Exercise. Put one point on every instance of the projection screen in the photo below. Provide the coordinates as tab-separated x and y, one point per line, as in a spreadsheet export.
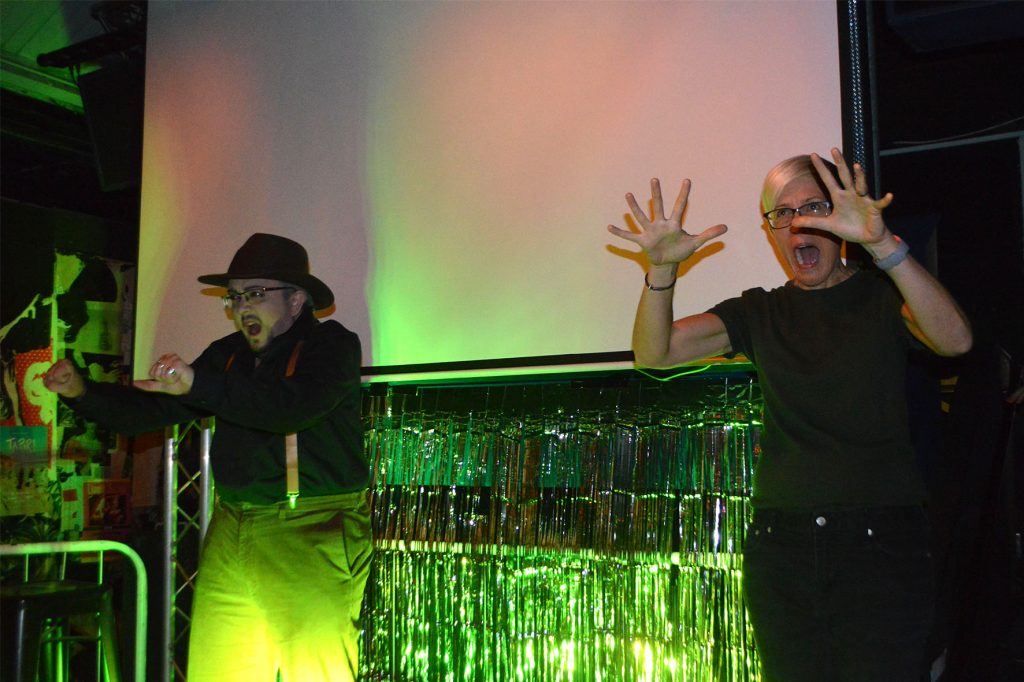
452	166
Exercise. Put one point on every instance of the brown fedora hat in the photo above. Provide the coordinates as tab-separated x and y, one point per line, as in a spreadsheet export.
268	256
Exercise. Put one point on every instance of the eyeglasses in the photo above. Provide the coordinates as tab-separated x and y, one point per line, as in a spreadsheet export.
782	217
251	296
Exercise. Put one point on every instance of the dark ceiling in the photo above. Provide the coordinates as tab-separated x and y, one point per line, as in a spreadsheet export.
947	70
50	50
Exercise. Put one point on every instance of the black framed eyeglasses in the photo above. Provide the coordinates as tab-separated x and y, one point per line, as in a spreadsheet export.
783	217
251	296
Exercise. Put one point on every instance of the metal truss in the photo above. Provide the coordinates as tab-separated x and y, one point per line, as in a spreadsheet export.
187	490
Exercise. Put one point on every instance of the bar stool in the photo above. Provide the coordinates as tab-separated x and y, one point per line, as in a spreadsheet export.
26	607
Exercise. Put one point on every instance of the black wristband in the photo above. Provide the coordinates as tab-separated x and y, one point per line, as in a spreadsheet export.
654	288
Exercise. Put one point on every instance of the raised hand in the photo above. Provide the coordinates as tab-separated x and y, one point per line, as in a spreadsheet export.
170	374
663	238
856	216
64	379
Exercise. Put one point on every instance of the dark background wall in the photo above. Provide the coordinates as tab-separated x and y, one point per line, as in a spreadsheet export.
949	114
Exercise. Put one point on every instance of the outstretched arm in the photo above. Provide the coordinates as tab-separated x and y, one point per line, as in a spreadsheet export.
929	311
657	340
114	406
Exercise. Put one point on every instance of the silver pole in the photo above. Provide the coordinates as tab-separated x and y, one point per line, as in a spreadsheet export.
205	486
170	555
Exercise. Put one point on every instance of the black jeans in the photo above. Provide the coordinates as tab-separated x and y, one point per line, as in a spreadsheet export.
840	595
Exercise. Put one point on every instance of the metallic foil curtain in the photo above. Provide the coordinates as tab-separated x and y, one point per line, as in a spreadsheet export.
560	532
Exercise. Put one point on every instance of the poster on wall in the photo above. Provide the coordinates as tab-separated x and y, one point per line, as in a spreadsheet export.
78	311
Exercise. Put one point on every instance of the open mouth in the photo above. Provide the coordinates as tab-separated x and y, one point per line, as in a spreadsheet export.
251	326
806	256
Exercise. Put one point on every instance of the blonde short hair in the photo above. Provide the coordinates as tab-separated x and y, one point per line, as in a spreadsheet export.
787	171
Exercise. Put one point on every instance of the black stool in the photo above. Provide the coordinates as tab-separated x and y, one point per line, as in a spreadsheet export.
26	606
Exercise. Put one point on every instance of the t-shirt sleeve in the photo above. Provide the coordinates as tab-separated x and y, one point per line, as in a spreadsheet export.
731	312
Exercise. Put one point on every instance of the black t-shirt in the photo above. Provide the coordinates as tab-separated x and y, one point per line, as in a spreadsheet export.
831	364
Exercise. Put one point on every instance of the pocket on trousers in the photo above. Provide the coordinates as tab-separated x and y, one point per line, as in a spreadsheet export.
754	539
319	530
763	540
358	537
908	540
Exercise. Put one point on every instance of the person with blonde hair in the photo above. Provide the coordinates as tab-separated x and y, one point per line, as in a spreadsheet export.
837	574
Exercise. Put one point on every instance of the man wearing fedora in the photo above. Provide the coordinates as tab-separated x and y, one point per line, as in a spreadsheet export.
287	553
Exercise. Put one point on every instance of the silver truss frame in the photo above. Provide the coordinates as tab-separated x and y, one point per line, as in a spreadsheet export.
181	527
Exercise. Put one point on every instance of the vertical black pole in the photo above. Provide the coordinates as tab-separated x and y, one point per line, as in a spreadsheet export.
860	138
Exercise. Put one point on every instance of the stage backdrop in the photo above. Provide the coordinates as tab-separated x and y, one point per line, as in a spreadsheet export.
452	166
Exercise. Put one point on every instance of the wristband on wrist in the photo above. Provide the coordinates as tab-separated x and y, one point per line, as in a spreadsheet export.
654	288
894	258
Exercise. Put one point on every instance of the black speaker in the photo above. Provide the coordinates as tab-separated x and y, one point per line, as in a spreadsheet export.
930	25
113	100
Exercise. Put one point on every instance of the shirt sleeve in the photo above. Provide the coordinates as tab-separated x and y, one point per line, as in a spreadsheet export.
128	410
731	312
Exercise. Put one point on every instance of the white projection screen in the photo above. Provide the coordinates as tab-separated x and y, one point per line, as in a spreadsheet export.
451	167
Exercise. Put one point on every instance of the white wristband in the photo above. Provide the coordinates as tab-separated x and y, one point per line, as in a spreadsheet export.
894	258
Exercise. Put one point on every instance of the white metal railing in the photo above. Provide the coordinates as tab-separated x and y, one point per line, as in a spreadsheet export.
99	547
